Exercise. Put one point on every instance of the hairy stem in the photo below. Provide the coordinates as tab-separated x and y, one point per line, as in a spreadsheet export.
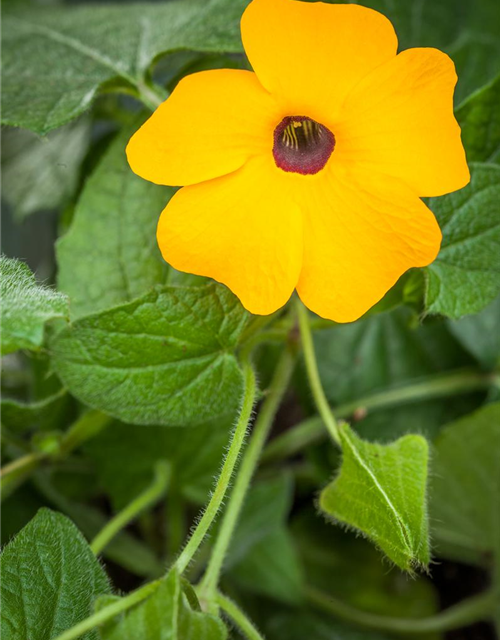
153	493
312	372
245	625
249	463
226	473
436	386
471	610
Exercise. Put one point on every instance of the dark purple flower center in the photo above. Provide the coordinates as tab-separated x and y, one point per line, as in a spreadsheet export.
302	145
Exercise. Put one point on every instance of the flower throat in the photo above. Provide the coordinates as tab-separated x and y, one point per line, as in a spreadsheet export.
302	145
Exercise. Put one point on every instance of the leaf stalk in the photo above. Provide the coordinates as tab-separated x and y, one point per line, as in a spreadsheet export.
227	470
277	389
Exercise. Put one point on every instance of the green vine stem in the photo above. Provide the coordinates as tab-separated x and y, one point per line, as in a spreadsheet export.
313	374
466	612
436	386
245	625
277	389
151	495
227	470
112	610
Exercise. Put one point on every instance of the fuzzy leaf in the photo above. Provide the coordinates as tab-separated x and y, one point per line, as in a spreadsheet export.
110	255
465	277
465	487
166	358
26	306
56	59
50	579
381	491
479	119
165	615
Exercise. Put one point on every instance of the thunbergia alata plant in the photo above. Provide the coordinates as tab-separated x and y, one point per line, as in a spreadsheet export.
264	404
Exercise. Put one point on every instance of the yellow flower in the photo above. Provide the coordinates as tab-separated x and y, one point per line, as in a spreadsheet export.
307	174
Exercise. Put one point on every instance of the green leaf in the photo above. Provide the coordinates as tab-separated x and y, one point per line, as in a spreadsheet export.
381	491
50	578
465	487
479	334
43	415
26	306
262	557
465	277
42	173
166	358
385	352
56	60
479	118
165	615
110	255
124	458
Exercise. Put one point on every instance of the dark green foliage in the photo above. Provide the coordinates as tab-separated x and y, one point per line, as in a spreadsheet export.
166	358
465	277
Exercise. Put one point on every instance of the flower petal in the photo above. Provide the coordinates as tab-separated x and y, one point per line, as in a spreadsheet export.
210	125
242	230
360	235
309	55
400	120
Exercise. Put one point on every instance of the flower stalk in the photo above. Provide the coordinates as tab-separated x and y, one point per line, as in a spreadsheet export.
313	374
